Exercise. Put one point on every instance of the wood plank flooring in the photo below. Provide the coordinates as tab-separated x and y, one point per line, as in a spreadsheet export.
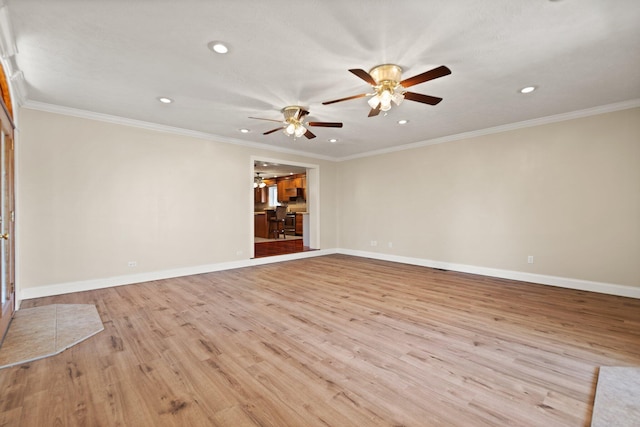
329	341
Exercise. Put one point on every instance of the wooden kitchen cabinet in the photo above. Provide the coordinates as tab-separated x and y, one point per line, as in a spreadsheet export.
288	187
261	195
261	225
299	224
282	197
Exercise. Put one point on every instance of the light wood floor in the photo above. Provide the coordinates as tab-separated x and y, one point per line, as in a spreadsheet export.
329	341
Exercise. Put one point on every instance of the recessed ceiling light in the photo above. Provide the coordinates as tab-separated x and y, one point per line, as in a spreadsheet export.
403	122
165	100
333	140
527	89
218	47
245	130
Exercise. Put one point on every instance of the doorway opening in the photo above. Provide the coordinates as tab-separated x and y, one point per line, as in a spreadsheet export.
284	207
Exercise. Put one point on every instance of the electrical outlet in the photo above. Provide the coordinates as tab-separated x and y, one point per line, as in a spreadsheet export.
239	252
374	243
390	245
132	263
530	259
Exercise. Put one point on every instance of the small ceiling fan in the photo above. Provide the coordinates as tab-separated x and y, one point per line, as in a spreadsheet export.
258	181
388	87
293	123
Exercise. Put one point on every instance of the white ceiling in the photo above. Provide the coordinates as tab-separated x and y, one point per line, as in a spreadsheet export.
274	170
116	57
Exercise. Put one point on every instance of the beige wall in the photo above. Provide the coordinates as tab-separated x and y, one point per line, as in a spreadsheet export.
567	193
94	195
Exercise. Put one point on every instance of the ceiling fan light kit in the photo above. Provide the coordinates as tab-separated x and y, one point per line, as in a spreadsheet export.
296	130
293	117
387	88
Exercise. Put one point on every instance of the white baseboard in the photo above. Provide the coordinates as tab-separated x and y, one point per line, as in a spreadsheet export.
563	282
108	282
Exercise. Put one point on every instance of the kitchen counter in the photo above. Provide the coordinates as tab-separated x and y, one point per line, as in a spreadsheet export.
261	222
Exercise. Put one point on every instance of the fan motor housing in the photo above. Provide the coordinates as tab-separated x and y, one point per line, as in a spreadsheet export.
294	112
386	72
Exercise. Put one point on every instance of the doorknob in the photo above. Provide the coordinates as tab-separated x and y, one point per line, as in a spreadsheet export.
4	236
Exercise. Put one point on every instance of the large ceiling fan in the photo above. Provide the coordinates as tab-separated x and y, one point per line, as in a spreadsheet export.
388	87
293	123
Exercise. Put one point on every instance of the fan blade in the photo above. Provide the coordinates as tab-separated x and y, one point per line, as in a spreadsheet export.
270	120
426	76
309	135
374	111
301	113
364	76
425	99
326	124
272	131
362	95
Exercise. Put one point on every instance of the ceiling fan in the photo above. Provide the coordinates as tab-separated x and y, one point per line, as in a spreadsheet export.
388	87
293	123
258	181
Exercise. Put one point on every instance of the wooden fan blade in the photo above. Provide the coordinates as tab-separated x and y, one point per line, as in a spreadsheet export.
364	76
309	135
326	124
425	99
272	131
374	111
301	113
269	120
426	76
362	95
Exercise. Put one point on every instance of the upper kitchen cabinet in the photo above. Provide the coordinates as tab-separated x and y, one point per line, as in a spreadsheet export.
261	195
291	188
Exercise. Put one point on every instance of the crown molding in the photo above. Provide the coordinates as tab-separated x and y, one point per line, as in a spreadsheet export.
91	115
57	109
7	39
609	108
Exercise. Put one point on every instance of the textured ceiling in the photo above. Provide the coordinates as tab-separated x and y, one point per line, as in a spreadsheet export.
116	57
